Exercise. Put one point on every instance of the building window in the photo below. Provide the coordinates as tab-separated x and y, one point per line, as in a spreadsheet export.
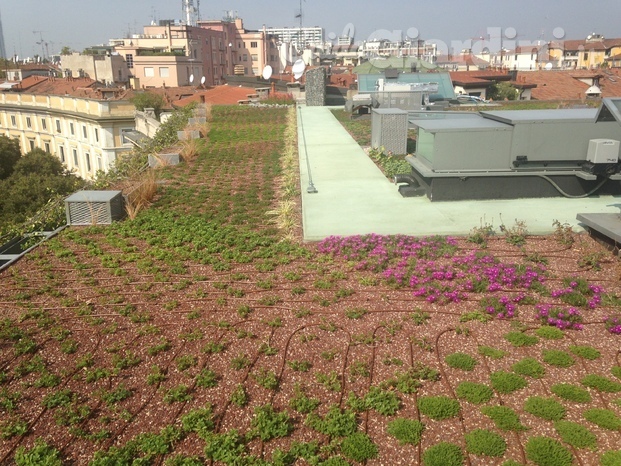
99	165
71	129
164	72
129	58
254	57
43	124
62	154
586	56
13	121
125	140
253	45
84	131
28	122
96	134
58	126
149	72
87	157
31	144
75	157
245	57
47	147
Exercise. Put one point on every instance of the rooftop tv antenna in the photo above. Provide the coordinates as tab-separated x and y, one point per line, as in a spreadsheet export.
191	12
299	15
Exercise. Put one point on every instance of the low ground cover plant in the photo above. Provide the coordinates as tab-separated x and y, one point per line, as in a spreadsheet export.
485	442
438	407
406	431
473	392
504	418
461	361
571	392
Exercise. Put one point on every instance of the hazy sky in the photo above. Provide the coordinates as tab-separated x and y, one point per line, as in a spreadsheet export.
80	23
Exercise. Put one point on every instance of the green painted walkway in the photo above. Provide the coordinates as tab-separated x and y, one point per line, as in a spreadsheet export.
354	197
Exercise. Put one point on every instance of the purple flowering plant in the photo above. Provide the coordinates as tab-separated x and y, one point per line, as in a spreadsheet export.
578	292
439	272
613	323
503	307
559	317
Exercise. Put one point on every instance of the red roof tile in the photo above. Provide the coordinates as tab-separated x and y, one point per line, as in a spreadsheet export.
565	85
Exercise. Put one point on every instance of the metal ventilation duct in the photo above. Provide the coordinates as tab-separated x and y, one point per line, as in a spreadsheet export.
94	207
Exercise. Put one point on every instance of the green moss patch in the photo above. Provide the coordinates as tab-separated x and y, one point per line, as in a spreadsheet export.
504	418
461	361
558	358
407	431
473	392
506	382
571	392
585	351
443	454
601	383
575	434
529	367
544	451
485	442
519	339
545	408
603	418
438	407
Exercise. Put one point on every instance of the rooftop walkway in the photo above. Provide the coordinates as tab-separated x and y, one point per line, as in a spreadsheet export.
353	196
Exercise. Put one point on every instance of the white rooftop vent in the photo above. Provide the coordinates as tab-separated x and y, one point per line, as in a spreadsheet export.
593	91
94	207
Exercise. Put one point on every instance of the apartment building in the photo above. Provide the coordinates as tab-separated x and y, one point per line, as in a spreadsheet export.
82	125
172	55
300	37
245	52
592	52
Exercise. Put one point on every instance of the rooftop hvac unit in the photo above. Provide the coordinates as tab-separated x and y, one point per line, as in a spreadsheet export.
94	207
389	129
603	151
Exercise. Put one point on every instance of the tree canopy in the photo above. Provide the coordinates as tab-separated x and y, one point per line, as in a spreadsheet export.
503	91
144	100
36	178
10	153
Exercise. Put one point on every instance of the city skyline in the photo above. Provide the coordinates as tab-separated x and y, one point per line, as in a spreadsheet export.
78	24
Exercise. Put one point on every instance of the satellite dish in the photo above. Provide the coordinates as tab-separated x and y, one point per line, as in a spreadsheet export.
202	80
267	72
548	66
298	68
191	78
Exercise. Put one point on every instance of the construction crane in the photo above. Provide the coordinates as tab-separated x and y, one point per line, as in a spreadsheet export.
43	44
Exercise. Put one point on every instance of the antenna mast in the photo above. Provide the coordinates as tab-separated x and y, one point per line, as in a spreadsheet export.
190	11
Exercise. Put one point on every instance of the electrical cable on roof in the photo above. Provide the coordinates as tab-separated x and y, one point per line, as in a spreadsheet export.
571	196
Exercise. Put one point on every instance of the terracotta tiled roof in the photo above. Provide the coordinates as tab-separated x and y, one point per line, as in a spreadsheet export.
577	45
478	77
565	85
78	87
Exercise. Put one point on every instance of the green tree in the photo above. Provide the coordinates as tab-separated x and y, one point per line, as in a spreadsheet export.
502	91
37	177
66	50
144	100
9	155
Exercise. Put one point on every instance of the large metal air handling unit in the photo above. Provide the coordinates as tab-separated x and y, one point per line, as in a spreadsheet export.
519	154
